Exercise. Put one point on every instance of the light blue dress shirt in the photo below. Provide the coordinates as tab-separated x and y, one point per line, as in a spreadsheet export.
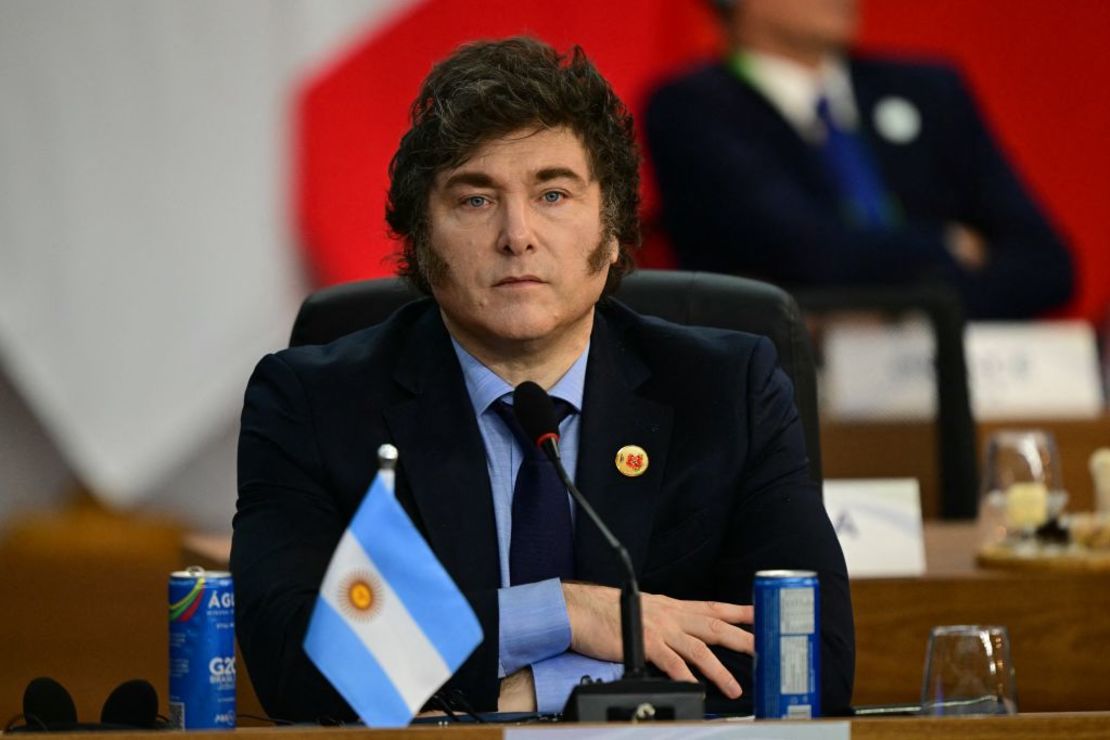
534	627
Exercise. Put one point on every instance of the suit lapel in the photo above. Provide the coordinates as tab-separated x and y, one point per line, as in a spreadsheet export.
798	154
442	458
615	415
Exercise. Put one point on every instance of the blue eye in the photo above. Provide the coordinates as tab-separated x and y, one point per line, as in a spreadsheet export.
552	196
476	201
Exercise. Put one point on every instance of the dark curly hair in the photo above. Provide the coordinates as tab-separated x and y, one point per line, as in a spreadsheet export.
489	89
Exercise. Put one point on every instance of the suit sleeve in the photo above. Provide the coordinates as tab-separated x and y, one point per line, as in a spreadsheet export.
286	527
1030	269
780	523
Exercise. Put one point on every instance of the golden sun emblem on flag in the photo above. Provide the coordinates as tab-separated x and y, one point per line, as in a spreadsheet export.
360	595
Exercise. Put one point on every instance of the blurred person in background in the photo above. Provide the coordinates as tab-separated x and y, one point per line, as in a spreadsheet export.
799	162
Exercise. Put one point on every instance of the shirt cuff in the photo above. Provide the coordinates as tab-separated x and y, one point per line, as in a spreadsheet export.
533	624
556	677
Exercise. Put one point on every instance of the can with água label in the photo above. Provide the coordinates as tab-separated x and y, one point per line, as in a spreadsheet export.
202	649
787	644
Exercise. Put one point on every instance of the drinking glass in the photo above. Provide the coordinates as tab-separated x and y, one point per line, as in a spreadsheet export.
1021	488
968	671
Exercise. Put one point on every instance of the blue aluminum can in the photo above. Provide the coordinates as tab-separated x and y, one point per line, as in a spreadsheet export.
787	644
202	650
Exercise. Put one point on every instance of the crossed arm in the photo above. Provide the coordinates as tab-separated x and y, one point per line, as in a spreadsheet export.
677	635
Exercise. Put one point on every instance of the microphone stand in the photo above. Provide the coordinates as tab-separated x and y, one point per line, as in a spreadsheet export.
635	697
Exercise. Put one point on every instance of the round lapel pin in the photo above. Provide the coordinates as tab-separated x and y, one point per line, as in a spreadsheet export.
897	120
632	461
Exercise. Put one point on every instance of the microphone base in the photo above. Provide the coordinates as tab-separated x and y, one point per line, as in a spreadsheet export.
636	700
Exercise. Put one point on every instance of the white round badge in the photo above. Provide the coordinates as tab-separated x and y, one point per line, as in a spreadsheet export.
897	120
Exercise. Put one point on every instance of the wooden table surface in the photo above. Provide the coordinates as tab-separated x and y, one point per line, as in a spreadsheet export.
1085	726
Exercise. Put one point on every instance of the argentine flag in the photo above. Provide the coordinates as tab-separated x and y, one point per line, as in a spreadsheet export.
390	626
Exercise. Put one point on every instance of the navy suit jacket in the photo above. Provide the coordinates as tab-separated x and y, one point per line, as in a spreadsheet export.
726	491
744	193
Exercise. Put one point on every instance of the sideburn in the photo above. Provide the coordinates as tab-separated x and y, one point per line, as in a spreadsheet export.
598	259
433	268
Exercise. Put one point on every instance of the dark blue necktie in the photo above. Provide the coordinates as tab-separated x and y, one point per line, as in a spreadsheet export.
849	163
542	542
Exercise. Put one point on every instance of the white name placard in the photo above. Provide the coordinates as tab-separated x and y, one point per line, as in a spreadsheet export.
1033	370
879	370
878	523
712	730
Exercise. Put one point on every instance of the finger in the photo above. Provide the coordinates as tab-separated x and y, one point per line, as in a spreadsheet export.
713	631
659	654
731	613
698	654
709	621
726	612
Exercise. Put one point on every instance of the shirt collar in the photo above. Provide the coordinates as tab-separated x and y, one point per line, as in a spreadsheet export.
484	386
793	89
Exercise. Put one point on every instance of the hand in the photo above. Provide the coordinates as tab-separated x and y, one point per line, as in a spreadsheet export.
518	692
967	246
677	634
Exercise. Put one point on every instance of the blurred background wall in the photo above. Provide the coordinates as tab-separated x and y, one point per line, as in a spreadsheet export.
175	176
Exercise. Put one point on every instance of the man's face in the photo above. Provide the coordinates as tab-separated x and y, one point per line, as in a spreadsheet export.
517	233
825	25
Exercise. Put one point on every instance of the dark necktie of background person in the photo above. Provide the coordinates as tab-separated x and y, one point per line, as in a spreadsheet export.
854	172
541	545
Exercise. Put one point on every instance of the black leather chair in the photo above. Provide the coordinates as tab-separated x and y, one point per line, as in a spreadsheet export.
957	463
694	298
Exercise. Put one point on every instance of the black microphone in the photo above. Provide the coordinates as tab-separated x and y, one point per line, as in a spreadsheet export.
536	415
635	696
46	704
133	703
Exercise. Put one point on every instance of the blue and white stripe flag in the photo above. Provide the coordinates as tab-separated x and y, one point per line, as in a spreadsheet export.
390	626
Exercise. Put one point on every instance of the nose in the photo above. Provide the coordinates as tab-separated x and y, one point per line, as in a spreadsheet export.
516	235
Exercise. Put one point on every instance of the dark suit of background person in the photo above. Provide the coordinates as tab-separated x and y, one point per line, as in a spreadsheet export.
743	192
726	491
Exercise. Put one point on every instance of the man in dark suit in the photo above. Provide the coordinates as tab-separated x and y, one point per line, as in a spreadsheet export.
515	192
798	163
